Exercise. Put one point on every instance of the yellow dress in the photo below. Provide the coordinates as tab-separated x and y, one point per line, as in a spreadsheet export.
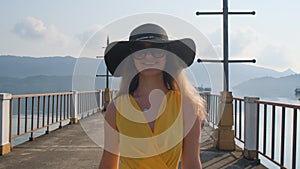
142	148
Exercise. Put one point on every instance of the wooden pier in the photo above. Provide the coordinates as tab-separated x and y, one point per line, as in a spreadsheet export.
72	147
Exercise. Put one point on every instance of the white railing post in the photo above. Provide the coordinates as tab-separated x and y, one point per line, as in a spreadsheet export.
74	112
5	145
250	129
100	100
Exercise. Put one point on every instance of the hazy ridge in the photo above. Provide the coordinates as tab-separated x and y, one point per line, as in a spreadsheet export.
20	75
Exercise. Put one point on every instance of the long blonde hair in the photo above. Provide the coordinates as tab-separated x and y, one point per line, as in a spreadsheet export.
174	78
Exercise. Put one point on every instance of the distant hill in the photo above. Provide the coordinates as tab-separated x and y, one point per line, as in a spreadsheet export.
35	84
21	67
238	73
269	87
23	74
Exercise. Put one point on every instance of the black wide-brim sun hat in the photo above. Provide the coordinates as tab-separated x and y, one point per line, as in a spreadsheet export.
154	37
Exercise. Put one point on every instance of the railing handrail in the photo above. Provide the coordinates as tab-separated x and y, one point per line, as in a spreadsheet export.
293	106
237	98
39	94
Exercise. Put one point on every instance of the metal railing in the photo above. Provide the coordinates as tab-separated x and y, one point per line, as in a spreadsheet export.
274	117
89	102
212	107
238	116
29	113
32	114
276	128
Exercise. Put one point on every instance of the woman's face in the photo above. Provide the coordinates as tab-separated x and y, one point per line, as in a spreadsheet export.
150	61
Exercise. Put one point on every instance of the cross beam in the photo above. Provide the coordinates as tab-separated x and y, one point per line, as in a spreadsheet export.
225	60
230	61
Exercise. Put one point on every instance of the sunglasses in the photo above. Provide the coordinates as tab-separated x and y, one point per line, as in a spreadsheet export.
140	50
156	53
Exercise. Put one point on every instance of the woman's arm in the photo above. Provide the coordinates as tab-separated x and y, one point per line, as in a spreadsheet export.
192	132
110	157
191	147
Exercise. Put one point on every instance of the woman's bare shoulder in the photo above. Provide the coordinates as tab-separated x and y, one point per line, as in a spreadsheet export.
110	113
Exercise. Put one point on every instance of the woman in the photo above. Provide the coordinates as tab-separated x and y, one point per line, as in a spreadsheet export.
155	119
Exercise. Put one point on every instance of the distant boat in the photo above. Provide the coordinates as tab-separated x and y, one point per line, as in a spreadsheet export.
203	89
297	91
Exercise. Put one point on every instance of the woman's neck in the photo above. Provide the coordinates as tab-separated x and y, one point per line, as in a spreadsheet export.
149	83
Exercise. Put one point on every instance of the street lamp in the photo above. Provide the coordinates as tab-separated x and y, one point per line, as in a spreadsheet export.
107	96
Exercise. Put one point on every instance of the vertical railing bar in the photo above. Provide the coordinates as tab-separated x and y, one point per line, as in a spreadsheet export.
294	139
257	127
60	123
217	99
90	101
65	106
209	110
38	113
83	103
32	118
273	132
53	97
57	104
68	104
240	119
235	118
282	135
26	111
90	105
48	115
93	97
87	103
214	112
265	129
44	104
78	105
10	121
19	116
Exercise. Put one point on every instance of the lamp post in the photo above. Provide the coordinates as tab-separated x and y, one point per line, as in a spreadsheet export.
225	134
107	96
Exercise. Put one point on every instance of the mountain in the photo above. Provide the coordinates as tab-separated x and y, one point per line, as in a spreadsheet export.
269	87
21	67
35	84
24	66
24	74
238	73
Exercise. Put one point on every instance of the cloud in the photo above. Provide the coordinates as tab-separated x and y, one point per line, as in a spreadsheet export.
30	28
242	38
247	43
45	39
85	36
275	56
94	41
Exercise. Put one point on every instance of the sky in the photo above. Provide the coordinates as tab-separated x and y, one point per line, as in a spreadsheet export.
41	28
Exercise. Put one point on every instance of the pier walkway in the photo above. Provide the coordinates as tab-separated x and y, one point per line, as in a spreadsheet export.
74	147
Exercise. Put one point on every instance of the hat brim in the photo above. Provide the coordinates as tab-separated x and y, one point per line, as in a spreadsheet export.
116	52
